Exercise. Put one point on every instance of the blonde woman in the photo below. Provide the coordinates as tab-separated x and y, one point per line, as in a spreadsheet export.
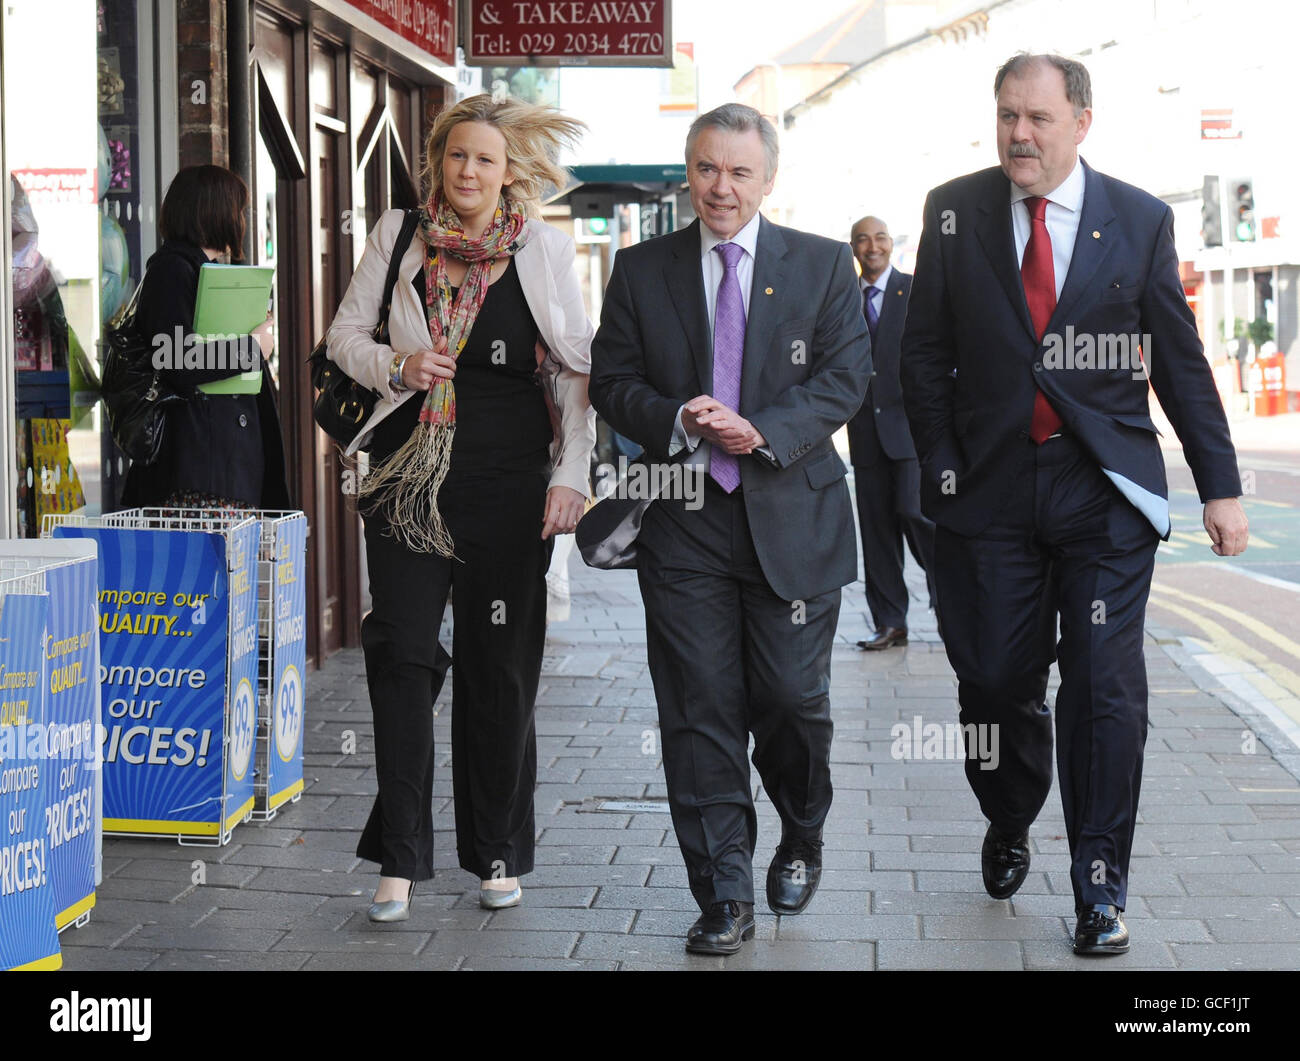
471	476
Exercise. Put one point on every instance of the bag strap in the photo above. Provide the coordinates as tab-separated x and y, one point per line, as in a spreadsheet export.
125	314
409	221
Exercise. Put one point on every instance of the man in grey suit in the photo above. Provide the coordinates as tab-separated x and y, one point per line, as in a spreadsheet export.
886	477
744	343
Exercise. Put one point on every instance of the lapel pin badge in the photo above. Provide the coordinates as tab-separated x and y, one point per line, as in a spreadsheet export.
1096	234
767	291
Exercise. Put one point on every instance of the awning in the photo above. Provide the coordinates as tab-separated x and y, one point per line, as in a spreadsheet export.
611	184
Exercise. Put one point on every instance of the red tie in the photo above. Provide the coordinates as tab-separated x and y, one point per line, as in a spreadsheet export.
1039	278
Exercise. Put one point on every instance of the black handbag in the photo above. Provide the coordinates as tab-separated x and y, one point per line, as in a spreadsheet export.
344	405
135	394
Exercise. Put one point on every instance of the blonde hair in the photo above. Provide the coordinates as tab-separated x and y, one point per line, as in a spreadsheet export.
533	135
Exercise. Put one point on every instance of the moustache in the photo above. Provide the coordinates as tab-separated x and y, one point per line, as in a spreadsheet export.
1024	151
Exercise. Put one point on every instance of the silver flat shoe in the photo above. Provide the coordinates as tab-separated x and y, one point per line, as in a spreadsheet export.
392	910
492	899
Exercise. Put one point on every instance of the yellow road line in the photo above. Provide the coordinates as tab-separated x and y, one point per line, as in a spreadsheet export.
1256	626
1201	539
1226	644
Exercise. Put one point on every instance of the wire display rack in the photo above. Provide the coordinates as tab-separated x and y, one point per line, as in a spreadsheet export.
281	641
190	807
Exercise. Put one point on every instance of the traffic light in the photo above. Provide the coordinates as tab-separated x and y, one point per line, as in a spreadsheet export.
1243	210
1211	221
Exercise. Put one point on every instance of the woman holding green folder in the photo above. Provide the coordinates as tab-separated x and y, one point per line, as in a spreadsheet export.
219	450
471	476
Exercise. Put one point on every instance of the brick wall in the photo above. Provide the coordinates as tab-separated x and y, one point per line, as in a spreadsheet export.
202	98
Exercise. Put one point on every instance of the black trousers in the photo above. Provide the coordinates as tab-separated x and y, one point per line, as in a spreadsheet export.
499	615
728	657
1067	543
889	509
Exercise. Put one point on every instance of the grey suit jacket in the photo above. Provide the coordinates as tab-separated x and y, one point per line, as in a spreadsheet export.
806	368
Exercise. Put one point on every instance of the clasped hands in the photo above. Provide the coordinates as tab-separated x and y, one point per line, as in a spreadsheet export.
715	422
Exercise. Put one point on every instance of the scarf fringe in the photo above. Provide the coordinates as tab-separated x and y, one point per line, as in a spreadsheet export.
407	486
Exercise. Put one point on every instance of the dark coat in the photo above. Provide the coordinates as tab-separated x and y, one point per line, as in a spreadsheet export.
879	429
807	362
967	312
225	445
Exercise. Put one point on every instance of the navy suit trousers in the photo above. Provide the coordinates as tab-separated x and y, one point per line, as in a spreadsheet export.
1067	543
728	657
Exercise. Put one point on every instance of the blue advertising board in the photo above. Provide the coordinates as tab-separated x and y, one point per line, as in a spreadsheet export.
289	659
71	653
178	642
241	719
70	712
28	938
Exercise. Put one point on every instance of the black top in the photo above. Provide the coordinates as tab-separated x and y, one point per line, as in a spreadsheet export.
220	445
502	423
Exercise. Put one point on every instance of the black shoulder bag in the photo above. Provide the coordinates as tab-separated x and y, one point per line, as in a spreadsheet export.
135	394
344	405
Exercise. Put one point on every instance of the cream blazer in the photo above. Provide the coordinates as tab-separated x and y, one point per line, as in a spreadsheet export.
546	272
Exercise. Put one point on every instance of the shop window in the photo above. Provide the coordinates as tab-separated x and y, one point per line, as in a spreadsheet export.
70	137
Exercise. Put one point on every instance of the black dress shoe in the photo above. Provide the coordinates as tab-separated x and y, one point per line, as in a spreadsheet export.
793	876
1100	930
1005	862
722	928
886	638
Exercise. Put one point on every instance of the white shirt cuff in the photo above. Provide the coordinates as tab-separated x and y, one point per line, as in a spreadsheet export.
681	437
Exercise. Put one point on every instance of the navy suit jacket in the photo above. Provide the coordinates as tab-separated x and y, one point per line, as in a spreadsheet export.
971	358
807	360
879	429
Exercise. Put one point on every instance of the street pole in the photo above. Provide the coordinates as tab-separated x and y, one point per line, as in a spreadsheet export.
1229	233
1228	227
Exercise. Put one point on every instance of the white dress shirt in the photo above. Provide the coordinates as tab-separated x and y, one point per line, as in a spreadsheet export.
1064	208
713	269
713	266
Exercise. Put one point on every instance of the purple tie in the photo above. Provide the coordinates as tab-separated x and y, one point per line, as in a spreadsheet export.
728	355
873	315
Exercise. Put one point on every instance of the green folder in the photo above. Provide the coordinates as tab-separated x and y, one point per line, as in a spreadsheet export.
232	300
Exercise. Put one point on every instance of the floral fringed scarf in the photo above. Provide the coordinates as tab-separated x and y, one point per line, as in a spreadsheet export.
407	483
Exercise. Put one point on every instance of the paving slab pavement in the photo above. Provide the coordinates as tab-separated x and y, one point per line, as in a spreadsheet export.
1215	876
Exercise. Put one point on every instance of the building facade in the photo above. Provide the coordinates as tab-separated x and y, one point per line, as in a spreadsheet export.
321	108
920	111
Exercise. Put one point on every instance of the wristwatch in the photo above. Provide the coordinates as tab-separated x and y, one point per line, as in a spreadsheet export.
395	372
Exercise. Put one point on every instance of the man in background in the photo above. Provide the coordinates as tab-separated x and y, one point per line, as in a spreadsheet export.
886	477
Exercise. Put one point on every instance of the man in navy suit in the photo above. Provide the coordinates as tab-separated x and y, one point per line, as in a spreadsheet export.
886	478
1053	292
743	343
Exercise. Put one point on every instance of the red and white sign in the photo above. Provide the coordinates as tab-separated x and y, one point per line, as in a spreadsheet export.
569	33
1218	125
428	24
46	186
